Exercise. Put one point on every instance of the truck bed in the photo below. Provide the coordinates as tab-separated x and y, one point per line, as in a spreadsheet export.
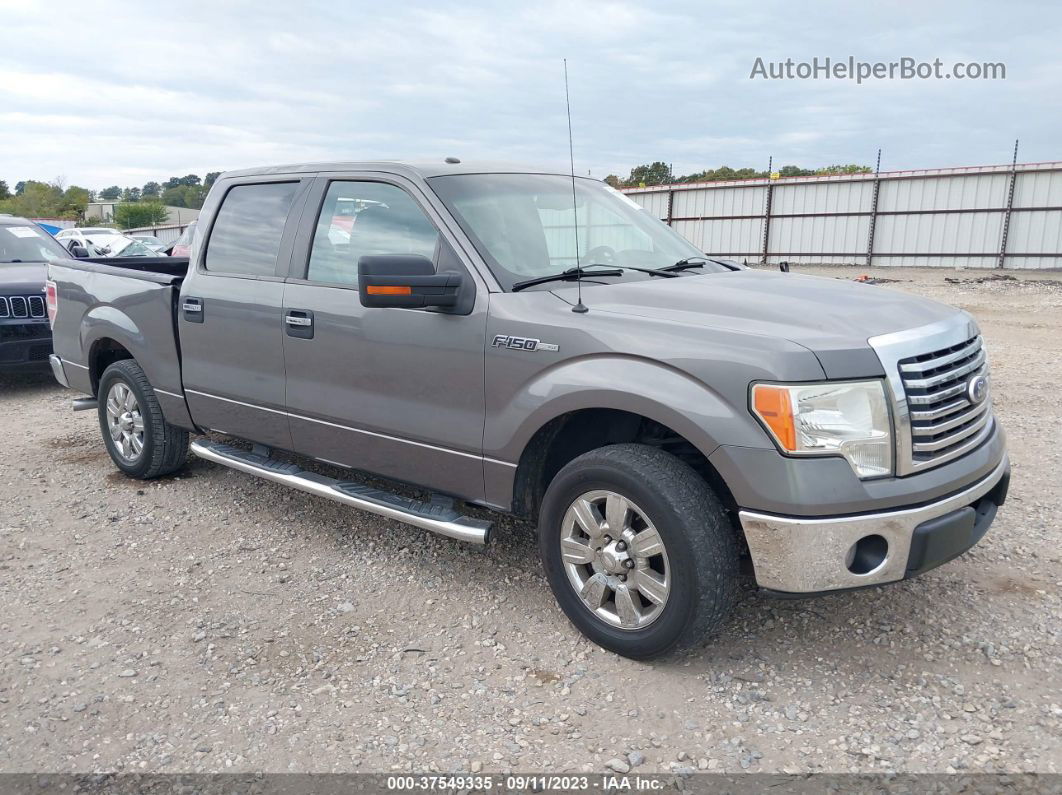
122	306
162	270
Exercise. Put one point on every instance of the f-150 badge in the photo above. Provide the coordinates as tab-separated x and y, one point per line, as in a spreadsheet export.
522	343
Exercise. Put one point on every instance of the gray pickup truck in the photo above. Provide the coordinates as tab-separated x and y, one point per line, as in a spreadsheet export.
542	346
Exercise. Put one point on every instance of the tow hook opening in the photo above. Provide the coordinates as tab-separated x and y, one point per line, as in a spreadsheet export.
867	554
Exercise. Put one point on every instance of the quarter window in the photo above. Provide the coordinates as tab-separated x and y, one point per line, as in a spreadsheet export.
366	218
246	235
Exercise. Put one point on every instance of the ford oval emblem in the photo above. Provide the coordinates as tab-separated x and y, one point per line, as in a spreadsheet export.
977	389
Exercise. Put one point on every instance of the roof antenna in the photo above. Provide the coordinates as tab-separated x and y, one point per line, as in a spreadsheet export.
579	307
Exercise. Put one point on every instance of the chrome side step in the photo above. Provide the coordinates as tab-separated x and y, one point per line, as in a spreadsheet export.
438	516
84	404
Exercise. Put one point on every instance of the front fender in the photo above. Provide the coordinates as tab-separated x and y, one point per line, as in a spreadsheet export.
623	382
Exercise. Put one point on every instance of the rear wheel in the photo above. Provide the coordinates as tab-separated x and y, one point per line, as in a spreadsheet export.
638	550
140	441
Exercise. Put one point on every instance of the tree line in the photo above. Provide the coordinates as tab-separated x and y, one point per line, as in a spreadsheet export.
659	173
137	206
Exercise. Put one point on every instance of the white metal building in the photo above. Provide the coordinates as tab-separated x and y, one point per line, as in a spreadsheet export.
974	217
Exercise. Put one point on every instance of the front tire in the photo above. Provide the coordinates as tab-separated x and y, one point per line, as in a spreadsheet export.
140	441
638	551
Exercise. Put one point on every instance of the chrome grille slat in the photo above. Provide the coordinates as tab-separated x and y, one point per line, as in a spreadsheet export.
5	309
950	375
943	394
19	306
36	306
948	424
967	350
944	422
949	441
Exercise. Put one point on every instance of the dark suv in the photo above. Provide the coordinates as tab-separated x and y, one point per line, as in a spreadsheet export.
25	334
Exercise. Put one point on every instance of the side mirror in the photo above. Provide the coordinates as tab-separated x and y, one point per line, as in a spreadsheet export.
79	252
405	280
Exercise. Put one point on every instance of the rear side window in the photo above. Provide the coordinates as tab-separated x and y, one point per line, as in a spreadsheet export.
246	235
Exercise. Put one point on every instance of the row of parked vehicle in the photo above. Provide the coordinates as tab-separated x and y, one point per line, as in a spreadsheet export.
105	242
26	249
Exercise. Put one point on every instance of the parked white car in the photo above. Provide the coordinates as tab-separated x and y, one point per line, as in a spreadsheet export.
104	242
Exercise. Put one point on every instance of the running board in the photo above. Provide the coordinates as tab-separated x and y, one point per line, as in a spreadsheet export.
84	404
438	516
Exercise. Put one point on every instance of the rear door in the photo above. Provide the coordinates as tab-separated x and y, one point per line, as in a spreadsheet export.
230	312
398	392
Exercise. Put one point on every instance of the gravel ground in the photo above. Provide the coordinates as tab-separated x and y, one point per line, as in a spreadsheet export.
213	622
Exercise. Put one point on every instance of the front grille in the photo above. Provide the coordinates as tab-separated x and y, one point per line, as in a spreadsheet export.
21	307
943	417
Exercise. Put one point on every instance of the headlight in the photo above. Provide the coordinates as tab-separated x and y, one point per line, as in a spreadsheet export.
849	419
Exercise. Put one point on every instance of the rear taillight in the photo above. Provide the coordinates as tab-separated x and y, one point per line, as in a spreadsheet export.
51	299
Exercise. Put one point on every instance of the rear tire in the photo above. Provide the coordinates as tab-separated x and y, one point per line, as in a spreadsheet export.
667	579
140	441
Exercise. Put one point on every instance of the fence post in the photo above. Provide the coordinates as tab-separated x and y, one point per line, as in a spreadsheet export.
670	203
767	211
1010	206
874	211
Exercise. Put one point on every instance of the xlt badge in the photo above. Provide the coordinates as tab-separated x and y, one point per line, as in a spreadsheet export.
522	343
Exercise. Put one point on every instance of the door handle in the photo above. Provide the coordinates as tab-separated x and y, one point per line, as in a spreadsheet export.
299	323
192	310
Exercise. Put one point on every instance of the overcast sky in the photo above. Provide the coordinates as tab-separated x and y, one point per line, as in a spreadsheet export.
127	92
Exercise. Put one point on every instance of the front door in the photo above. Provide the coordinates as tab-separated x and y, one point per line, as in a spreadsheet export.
230	315
397	392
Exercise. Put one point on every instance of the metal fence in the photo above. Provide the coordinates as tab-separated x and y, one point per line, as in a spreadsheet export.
975	217
167	233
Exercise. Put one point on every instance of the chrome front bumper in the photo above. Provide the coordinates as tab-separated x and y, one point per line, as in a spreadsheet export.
803	555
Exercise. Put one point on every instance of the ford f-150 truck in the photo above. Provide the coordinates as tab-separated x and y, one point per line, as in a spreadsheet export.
542	346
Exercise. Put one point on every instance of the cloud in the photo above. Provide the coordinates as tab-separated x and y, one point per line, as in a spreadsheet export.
125	92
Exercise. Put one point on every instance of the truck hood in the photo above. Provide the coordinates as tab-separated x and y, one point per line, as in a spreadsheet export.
22	278
830	317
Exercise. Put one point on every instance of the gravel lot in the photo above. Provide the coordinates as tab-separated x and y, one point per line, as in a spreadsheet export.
213	622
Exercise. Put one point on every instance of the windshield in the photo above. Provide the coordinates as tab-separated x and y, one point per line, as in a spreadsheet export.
24	243
524	227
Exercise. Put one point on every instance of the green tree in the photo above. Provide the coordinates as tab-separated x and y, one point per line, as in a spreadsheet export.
152	190
210	179
656	173
131	195
74	202
132	215
5	192
794	171
614	181
19	187
851	168
184	196
111	193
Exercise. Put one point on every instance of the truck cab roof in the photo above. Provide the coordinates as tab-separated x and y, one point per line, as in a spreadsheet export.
423	169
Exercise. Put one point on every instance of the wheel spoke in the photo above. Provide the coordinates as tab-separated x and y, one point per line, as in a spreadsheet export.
616	510
649	584
138	423
584	515
628	611
136	443
114	408
126	446
116	431
647	543
575	551
595	591
130	400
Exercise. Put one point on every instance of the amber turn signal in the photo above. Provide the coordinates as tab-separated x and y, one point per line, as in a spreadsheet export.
376	290
774	406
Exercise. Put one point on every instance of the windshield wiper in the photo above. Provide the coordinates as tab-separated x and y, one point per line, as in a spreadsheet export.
567	275
694	262
586	270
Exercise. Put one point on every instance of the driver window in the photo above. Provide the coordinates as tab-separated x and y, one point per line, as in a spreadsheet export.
366	218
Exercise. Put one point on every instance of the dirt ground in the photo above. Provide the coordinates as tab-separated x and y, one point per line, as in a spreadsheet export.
214	622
